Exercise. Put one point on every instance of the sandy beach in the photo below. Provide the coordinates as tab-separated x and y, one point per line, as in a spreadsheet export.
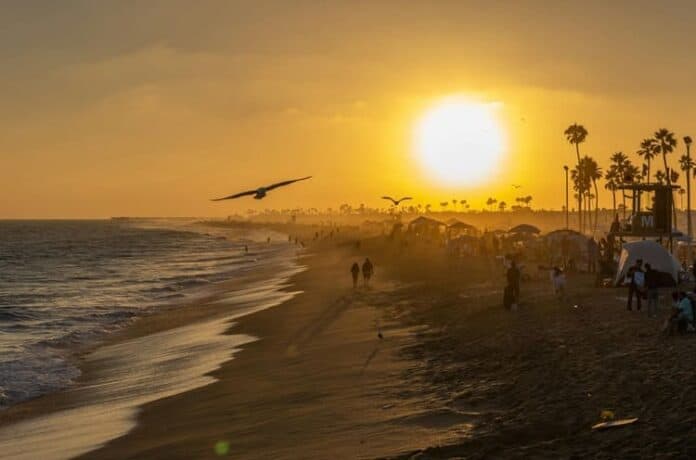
455	375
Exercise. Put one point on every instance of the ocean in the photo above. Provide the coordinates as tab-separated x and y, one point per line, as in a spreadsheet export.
65	284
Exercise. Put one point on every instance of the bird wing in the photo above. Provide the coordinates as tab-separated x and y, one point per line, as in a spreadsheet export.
287	182
406	198
390	199
236	195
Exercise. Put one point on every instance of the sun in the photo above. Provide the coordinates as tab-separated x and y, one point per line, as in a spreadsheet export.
459	141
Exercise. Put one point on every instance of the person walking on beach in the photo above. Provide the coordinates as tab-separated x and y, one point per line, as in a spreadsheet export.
558	281
592	255
367	271
565	250
513	281
636	278
651	285
355	272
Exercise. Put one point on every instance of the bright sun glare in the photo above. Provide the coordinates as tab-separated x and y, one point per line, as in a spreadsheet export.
460	142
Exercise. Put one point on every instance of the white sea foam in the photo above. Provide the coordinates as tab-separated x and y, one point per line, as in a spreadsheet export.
136	371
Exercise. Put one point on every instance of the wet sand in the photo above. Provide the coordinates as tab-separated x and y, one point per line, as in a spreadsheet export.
319	382
455	376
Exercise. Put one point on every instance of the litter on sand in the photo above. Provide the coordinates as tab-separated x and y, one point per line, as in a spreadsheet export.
614	423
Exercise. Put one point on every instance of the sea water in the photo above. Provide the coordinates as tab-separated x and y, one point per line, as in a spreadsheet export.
64	284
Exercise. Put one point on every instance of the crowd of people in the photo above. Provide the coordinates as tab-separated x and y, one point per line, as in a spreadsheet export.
643	283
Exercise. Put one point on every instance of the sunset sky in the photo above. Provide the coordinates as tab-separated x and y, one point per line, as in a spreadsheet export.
151	108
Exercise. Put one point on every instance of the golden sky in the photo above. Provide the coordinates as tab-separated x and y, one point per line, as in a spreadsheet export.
151	108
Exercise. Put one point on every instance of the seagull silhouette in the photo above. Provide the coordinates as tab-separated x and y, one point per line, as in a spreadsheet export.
396	202
260	192
516	186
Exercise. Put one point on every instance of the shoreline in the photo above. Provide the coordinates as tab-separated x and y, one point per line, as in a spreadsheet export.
317	372
265	287
298	382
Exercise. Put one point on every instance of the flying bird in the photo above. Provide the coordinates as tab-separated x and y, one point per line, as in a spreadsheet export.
515	186
396	202
260	192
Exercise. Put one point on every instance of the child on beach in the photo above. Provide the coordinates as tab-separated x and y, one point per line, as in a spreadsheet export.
558	280
355	272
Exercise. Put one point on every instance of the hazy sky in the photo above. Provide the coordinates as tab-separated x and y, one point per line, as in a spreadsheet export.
153	107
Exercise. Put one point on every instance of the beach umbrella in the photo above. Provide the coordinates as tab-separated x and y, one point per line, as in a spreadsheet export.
525	228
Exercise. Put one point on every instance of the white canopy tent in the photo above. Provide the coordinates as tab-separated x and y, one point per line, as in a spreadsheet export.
651	253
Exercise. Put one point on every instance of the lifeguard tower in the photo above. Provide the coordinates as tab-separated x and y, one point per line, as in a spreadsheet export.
651	213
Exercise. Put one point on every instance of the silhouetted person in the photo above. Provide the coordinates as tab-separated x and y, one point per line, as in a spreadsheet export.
355	271
513	281
652	283
615	225
268	240
592	255
367	271
635	284
682	316
565	250
246	249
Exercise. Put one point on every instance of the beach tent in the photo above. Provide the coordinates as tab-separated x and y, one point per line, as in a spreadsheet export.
425	222
651	253
456	227
425	226
565	233
525	228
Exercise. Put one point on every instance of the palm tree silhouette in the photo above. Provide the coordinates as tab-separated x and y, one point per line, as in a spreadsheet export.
490	202
611	178
687	165
580	184
660	177
592	171
576	134
648	151
502	205
666	144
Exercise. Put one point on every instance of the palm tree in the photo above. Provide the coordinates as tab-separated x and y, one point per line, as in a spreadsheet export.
673	176
666	144
660	177
502	205
648	151
576	134
688	165
681	193
591	171
454	204
620	164
581	184
612	182
490	202
619	160
631	173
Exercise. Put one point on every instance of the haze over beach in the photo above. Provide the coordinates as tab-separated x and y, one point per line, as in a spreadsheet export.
374	230
143	109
